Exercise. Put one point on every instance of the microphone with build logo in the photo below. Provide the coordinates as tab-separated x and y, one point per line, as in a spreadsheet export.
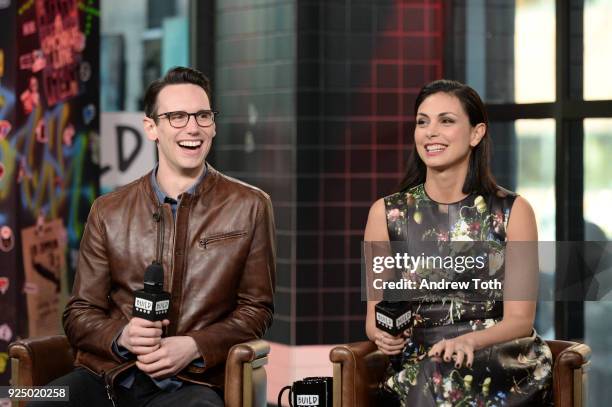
393	317
153	303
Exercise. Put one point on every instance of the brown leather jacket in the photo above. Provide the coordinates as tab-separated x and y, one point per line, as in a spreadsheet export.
219	262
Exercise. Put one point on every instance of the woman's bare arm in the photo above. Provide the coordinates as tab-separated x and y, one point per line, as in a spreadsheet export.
376	231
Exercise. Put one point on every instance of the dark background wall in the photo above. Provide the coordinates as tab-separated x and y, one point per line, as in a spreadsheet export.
316	100
360	66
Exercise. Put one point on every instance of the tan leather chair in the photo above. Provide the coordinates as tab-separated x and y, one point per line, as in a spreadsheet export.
37	361
359	367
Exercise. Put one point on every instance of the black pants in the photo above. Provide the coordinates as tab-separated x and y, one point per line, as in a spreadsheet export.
87	389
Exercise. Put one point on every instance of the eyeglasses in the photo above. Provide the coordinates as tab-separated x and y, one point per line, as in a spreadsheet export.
179	119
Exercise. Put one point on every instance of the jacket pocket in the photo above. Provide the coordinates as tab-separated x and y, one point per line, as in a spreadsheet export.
206	241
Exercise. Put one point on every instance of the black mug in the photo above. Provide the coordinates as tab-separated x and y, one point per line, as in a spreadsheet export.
310	392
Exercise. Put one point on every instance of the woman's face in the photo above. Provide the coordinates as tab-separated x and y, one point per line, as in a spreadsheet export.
443	134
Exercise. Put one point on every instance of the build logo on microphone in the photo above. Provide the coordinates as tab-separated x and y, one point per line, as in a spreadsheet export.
162	307
143	305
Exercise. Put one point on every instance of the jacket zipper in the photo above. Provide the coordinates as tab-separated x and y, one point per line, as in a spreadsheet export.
110	394
206	241
109	378
171	276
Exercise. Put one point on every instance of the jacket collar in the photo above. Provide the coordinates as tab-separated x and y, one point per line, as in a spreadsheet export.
201	188
161	195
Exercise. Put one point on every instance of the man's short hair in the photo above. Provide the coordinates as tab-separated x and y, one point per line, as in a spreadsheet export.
174	76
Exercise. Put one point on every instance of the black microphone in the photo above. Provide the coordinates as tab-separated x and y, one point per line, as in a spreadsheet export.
394	317
152	303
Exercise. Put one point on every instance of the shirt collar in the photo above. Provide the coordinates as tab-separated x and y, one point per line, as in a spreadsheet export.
161	195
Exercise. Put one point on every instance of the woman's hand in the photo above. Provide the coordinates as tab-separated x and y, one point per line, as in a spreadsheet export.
459	349
388	344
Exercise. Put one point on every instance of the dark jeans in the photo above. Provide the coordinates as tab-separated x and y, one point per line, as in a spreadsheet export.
87	389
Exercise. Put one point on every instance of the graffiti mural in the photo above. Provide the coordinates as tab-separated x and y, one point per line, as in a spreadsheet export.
10	298
61	42
49	137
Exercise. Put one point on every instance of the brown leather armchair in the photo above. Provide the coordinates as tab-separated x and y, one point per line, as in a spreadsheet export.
359	367
37	361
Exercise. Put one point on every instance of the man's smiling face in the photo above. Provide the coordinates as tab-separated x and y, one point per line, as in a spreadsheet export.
181	150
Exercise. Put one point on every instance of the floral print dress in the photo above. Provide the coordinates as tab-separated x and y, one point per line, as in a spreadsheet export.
517	372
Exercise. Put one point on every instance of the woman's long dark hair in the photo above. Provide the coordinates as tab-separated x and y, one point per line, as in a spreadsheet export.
479	178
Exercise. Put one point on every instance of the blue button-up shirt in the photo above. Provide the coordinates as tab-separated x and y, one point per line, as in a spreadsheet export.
169	383
163	198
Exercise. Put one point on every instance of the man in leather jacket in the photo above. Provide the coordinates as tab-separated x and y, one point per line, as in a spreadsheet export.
214	236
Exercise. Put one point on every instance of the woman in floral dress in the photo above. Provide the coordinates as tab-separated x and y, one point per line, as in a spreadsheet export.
459	351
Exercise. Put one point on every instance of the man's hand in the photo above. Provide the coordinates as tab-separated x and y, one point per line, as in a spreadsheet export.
173	355
140	336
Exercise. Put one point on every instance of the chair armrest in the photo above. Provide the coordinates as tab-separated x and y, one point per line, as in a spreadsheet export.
245	375
355	349
569	376
569	372
575	357
358	369
37	361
